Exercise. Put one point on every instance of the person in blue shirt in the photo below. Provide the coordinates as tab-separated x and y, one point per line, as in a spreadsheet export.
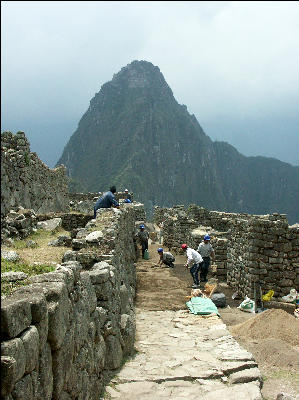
128	198
107	200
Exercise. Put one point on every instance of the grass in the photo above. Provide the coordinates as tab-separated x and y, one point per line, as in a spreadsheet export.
8	288
33	261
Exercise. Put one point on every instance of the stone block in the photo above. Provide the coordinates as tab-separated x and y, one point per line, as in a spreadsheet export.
78	244
87	259
114	353
14	348
88	292
100	316
75	266
99	276
23	389
37	301
69	276
69	255
45	386
94	237
99	354
103	291
10	255
62	360
247	375
15	315
50	225
8	374
30	339
128	327
59	308
13	276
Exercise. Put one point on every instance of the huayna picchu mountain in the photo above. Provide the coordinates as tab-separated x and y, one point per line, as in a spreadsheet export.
135	135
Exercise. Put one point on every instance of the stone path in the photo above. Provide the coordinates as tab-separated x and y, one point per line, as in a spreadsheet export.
184	356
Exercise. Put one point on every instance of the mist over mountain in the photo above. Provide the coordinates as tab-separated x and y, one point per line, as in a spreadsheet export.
135	135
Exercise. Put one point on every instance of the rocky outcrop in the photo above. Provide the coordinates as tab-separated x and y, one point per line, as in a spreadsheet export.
26	181
136	135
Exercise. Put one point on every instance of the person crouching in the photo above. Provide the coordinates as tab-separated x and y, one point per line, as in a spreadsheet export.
165	258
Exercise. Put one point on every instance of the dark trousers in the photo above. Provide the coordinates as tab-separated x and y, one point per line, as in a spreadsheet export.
194	273
205	268
144	246
168	263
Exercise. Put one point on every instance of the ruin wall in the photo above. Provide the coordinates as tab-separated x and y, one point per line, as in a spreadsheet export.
263	252
249	249
65	334
26	181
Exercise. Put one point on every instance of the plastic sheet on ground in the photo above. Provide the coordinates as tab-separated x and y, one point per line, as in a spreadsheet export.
202	306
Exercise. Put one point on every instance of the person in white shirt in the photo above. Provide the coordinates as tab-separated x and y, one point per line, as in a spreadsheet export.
207	252
194	263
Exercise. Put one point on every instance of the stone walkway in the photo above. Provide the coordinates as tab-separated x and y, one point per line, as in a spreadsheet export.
185	356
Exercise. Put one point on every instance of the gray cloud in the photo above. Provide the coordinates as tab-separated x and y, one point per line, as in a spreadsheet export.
234	64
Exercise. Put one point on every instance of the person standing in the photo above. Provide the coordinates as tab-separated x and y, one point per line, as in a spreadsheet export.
143	239
107	200
194	263
206	250
165	258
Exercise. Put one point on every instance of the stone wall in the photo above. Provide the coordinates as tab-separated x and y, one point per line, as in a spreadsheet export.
18	224
264	252
77	197
84	203
69	220
249	249
26	181
68	331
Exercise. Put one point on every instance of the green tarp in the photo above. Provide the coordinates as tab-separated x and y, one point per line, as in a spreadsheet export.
202	306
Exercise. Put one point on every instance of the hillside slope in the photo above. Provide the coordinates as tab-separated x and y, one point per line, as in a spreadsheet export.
135	134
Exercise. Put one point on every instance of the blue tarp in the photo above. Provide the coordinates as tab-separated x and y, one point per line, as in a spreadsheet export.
202	306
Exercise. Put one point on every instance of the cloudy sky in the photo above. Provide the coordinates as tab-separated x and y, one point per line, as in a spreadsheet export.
235	65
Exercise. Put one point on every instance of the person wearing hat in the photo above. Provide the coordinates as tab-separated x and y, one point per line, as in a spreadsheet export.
194	263
128	197
107	200
143	238
165	258
206	250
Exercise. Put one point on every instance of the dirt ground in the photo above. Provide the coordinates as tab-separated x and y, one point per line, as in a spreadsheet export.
163	288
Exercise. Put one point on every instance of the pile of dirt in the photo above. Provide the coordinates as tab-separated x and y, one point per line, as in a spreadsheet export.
272	323
275	352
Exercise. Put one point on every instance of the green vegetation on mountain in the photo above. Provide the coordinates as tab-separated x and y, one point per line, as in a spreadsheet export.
135	135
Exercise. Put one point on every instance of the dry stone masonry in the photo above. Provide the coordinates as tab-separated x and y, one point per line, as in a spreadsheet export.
249	249
67	331
26	181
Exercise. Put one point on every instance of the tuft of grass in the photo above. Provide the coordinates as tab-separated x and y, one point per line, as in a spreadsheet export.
30	270
8	288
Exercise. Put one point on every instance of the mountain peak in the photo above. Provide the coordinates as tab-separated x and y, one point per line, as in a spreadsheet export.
139	74
136	135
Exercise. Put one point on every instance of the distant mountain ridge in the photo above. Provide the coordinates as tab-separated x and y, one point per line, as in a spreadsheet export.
135	135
